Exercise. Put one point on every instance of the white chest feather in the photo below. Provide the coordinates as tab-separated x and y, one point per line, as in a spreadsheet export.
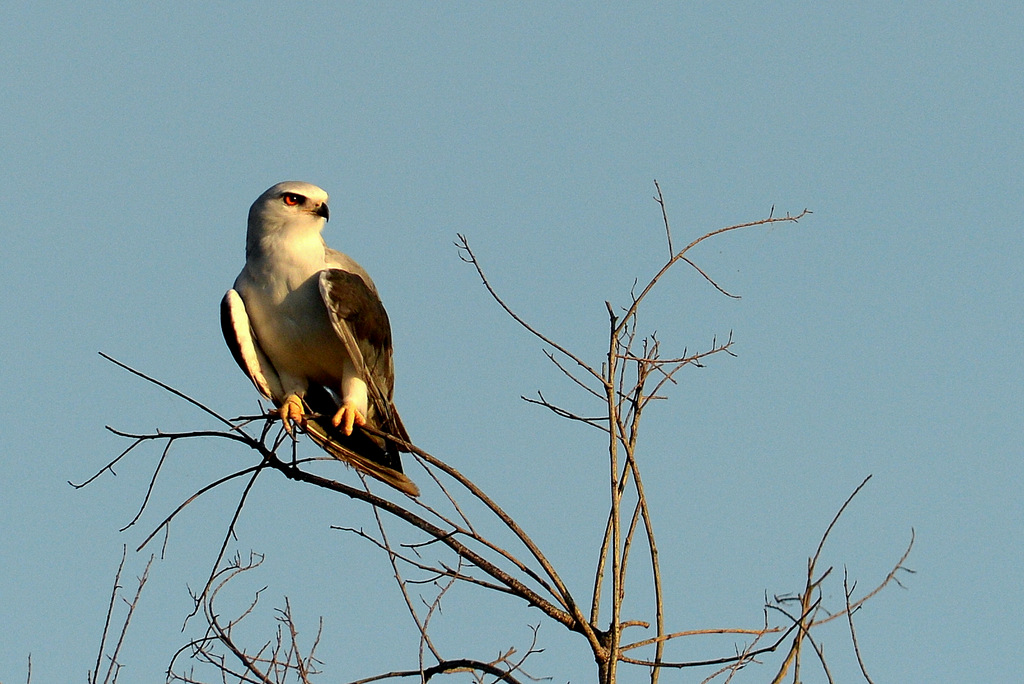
280	288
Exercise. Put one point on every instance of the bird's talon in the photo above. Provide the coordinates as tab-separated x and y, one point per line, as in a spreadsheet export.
347	417
291	414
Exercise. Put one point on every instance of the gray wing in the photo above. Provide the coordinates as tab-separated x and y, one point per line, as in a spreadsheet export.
234	323
362	325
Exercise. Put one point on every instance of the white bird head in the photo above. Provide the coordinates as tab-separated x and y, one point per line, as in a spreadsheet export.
289	203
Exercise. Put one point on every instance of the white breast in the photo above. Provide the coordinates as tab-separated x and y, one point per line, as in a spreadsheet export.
282	297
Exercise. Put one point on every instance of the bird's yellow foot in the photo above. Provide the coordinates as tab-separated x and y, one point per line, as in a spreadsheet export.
347	417
291	412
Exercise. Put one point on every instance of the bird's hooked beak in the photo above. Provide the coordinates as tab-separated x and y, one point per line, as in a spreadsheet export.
322	210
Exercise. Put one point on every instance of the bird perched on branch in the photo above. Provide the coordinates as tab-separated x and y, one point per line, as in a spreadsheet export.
307	326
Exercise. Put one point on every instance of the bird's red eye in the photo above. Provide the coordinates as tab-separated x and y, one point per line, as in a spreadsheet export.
291	199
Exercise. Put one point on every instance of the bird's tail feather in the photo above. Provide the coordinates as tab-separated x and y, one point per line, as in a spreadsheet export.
378	468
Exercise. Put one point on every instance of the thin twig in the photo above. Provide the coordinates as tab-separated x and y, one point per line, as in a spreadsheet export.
170	389
110	612
709	279
114	665
592	421
660	199
227	538
836	518
565	371
392	556
853	633
470	258
200	492
152	484
631	312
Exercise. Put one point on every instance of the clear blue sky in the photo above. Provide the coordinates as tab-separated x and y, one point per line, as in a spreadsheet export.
880	336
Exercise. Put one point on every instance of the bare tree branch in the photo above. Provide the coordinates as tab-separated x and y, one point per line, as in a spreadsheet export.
453	540
853	633
113	664
463	245
631	312
660	199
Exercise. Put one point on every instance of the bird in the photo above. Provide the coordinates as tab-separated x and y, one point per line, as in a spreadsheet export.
307	326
